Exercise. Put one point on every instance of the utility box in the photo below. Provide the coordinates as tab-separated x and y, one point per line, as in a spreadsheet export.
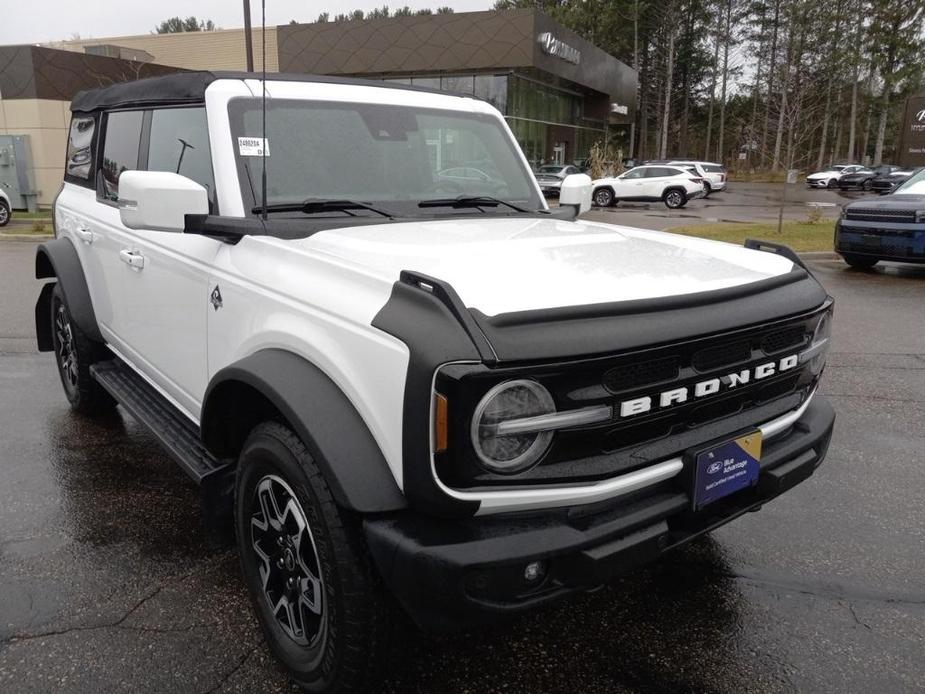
16	178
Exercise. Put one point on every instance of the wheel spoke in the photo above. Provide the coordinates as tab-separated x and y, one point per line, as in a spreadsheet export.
293	511
269	507
310	594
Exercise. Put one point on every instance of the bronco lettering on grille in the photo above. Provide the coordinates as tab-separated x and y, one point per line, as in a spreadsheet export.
711	386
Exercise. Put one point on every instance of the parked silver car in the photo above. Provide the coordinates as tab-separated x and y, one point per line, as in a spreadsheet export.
550	177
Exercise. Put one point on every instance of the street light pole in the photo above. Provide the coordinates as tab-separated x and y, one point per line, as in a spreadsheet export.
248	36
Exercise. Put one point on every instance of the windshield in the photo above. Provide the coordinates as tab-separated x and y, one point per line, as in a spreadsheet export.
398	156
550	169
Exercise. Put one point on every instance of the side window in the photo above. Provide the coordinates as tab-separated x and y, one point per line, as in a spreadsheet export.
120	149
635	173
80	149
180	144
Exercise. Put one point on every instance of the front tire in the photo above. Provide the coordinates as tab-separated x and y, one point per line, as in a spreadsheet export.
313	586
4	213
674	199
860	262
75	353
603	197
832	184
867	185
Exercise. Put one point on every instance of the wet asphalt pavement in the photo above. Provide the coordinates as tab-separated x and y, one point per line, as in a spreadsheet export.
108	582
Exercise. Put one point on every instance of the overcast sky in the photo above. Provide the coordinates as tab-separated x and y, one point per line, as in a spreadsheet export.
40	21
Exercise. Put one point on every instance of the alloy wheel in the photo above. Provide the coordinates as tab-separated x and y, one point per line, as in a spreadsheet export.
673	199
289	569
4	214
67	354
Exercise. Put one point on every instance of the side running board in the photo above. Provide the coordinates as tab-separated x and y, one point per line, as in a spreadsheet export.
176	433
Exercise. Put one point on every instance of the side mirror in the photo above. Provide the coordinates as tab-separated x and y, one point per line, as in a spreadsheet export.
159	200
576	192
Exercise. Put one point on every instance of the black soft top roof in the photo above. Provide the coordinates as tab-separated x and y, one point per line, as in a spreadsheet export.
190	87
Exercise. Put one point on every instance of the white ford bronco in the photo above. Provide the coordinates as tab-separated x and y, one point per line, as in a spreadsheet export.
345	309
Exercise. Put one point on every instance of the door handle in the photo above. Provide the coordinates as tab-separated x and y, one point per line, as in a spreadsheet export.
84	234
133	259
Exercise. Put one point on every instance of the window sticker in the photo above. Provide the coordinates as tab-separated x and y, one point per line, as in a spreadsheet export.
253	146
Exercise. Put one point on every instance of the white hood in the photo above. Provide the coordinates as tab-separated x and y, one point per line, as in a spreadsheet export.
514	264
825	174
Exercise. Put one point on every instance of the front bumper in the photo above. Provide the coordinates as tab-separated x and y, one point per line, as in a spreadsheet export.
450	574
882	240
817	182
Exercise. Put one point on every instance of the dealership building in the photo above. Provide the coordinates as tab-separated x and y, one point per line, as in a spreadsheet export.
559	93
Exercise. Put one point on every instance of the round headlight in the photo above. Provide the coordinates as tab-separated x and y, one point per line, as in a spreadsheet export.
511	453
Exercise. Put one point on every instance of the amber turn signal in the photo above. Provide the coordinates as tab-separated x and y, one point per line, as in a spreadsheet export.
440	423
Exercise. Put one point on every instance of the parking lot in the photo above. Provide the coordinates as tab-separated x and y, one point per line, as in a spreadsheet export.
742	202
108	582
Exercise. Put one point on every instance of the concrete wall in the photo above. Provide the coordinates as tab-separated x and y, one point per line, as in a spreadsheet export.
46	122
196	50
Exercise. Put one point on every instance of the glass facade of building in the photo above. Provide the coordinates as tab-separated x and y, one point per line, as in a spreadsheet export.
549	122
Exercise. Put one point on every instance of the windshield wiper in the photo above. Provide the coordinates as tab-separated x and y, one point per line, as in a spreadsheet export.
312	205
470	201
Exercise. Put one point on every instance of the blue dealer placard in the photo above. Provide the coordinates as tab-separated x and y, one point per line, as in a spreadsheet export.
726	468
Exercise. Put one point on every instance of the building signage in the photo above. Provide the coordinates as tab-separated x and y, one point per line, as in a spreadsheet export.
912	149
622	109
918	122
553	46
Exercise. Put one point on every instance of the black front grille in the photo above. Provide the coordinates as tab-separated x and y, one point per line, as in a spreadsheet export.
782	340
883	249
630	441
875	214
641	374
722	356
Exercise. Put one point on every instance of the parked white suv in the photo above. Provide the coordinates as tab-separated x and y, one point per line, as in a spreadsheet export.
713	174
673	185
409	389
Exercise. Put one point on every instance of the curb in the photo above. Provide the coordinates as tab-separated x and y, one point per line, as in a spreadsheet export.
819	255
26	237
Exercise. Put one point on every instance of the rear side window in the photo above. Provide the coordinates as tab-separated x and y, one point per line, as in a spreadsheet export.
120	149
179	143
80	141
714	168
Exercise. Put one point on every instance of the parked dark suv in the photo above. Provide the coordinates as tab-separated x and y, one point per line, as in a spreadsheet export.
863	178
887	183
891	228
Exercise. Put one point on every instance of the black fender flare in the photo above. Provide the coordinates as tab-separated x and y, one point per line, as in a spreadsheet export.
320	414
59	259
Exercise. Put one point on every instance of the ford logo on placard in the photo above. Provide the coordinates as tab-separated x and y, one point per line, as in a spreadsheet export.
713	468
920	116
